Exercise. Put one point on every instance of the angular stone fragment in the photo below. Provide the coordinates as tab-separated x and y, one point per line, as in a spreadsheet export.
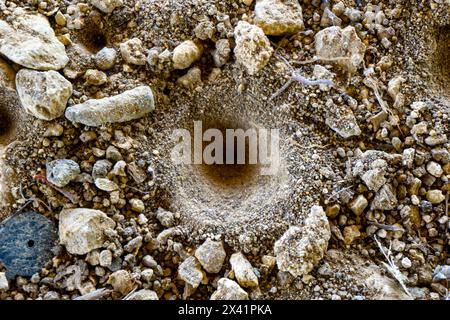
279	17
211	255
185	54
229	290
82	230
129	105
106	6
243	270
143	294
190	272
43	94
30	41
62	171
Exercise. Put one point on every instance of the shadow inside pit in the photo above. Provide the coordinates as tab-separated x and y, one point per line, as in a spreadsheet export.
441	59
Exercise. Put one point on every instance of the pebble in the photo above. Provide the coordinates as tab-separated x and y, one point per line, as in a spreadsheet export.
148	261
133	52
31	42
105	58
105	258
107	6
3	282
385	199
129	105
253	49
359	204
95	77
211	255
351	233
82	230
222	52
228	290
243	270
190	272
106	184
61	172
54	130
277	18
185	54
44	94
121	281
143	294
435	196
299	250
137	205
435	169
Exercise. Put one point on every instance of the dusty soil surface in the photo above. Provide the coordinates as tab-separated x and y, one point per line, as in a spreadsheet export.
372	150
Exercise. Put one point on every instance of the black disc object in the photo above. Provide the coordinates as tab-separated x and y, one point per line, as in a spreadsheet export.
26	240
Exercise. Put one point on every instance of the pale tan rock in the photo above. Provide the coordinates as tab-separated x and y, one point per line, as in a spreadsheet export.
279	17
243	270
228	290
185	54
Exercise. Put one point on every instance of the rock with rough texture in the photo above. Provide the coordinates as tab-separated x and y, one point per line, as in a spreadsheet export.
129	105
107	6
3	282
190	272
342	120
143	294
243	270
252	48
435	196
385	198
334	42
30	41
299	250
62	171
82	230
121	281
211	255
228	290
105	58
279	17
359	204
105	184
185	54
44	94
132	52
7	75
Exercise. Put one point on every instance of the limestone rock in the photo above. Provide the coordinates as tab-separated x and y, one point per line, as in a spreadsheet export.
243	270
105	184
211	255
143	294
385	198
342	120
132	52
129	105
105	58
190	272
279	17
82	230
62	171
106	6
30	41
253	48
43	94
228	290
299	250
185	54
121	281
334	42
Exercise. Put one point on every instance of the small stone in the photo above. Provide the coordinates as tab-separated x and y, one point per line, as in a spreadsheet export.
190	272
334	42
435	169
137	205
82	230
101	169
54	130
166	218
253	49
148	261
299	250
31	42
61	172
95	78
351	233
342	120
129	105
211	255
374	179
185	54
119	169
134	244
333	211
44	94
385	199
205	30
132	52
105	258
143	294
436	140
105	58
60	19
435	196
359	204
243	270
107	6
222	52
136	172
112	153
121	281
4	286
228	290
277	17
106	184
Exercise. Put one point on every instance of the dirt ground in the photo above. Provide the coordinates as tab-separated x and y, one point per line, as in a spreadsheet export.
385	239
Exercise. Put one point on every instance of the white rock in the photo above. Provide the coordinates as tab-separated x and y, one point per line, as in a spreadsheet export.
30	41
385	199
185	54
190	272
211	255
82	230
132	52
252	48
342	120
95	77
299	250
129	105
105	58
243	270
106	184
435	169
143	294
43	94
334	42
107	6
435	196
228	290
359	204
62	171
137	205
105	258
3	282
279	17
